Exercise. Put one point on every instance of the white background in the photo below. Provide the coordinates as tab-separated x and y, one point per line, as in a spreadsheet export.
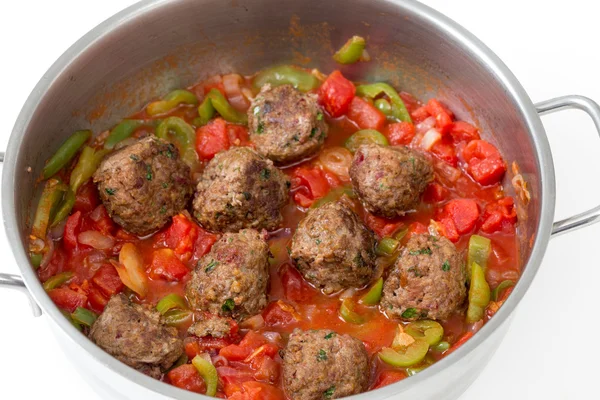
551	349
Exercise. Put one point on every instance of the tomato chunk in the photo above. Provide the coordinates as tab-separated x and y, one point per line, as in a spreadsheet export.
187	377
365	115
400	133
382	226
444	150
67	299
336	94
435	193
72	229
86	198
107	280
462	131
211	139
165	265
309	184
187	239
388	377
462	340
420	114
252	390
499	215
96	300
484	162
274	315
443	118
238	135
239	352
294	286
463	212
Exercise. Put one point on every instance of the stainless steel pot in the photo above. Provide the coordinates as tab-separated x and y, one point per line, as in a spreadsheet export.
155	46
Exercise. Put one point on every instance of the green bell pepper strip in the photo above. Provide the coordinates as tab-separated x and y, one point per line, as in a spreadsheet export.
170	302
373	296
479	251
208	372
170	101
427	330
124	130
501	288
57	280
479	294
88	163
175	317
333	195
365	136
405	356
76	324
65	207
348	314
384	106
351	51
386	246
84	316
176	130
286	75
373	90
36	259
66	152
225	110
206	112
441	346
51	197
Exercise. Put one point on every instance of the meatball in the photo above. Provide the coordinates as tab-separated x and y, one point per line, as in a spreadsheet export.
240	189
144	184
286	125
427	281
322	364
389	180
332	248
231	280
134	334
212	325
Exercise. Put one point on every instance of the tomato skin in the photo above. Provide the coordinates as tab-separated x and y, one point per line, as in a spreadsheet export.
239	352
96	300
67	299
464	213
211	139
400	133
388	377
187	377
336	94
187	239
252	390
72	229
310	184
266	369
435	193
462	131
382	226
365	115
449	229
107	280
498	215
274	315
165	265
420	114
484	162
295	287
444	150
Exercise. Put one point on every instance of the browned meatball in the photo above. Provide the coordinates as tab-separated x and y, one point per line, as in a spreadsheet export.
240	189
389	180
134	334
211	325
286	125
144	184
321	364
332	248
427	281
231	280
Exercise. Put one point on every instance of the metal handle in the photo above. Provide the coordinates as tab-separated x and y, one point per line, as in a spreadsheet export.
10	281
593	110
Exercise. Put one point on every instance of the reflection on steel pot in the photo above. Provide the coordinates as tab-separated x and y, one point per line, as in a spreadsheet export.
111	66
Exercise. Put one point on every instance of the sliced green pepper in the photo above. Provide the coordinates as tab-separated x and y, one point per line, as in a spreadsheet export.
57	280
427	330
124	130
479	251
373	296
36	259
225	110
65	207
175	317
51	197
208	372
501	288
76	324
386	246
405	356
334	195
441	347
351	52
170	302
348	314
287	75
66	152
206	112
88	163
479	294
373	90
384	106
176	130
170	101
84	316
365	136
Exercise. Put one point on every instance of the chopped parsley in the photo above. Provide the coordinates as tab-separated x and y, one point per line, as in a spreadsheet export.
265	174
426	250
165	185
256	110
330	335
110	191
149	174
446	266
260	128
358	260
171	151
163	210
318	241
313	132
415	271
328	394
296	138
229	305
322	356
211	265
247	195
320	116
134	157
409	313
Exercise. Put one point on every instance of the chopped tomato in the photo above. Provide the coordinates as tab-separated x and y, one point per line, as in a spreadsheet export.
498	215
464	213
187	377
252	390
382	226
238	135
239	352
72	228
420	114
107	280
332	179
388	377
294	286
435	193
443	118
462	340
416	228
165	265
96	300
67	299
444	150
448	229
102	221
484	162
211	139
336	94
410	101
194	346
462	131
274	315
266	369
365	115
186	238
400	133
86	198
309	184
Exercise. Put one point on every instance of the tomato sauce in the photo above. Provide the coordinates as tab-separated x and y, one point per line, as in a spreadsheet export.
293	303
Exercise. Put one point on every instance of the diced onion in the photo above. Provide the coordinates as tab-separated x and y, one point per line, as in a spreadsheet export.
220	361
447	172
425	125
96	215
254	323
47	254
131	269
347	293
430	138
96	240
57	231
274	337
337	160
231	83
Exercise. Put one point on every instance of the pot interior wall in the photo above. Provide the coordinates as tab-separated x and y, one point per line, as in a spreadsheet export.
175	43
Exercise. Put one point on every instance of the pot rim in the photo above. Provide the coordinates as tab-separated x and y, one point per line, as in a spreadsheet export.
445	25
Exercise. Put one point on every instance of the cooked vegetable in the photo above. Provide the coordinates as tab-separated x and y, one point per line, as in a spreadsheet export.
441	346
131	269
351	52
386	246
501	288
124	130
286	75
479	294
206	112
365	136
88	163
170	302
176	317
226	110
46	210
76	324
427	330
479	251
373	296
65	207
66	152
176	130
348	314
84	316
373	90
405	356
36	259
333	195
57	280
208	372
384	106
170	101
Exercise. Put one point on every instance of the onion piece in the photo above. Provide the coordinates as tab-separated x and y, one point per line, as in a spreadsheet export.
96	215
58	230
131	269
347	293
274	337
425	125
255	322
49	251
430	138
338	161
447	172
220	361
231	83
96	240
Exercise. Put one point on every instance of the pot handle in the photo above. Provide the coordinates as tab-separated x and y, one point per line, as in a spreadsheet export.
10	281
593	110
